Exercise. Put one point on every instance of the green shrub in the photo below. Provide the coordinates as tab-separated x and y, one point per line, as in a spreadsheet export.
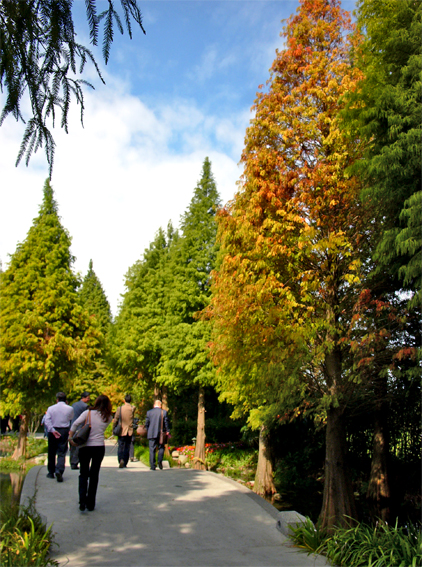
363	545
233	461
35	447
24	539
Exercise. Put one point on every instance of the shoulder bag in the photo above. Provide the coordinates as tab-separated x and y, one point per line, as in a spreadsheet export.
142	430
117	429
81	435
163	434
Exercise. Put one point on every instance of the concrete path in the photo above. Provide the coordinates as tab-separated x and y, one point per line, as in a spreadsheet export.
168	518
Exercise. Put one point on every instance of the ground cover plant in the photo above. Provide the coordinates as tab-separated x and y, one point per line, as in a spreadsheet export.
363	545
24	539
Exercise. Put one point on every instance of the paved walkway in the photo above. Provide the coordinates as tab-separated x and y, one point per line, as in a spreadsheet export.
168	518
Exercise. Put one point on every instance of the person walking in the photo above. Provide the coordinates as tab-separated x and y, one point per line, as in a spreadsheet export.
92	453
126	414
155	417
78	409
57	423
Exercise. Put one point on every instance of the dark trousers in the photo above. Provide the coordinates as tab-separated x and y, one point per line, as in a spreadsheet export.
123	449
73	455
57	447
132	447
153	444
90	459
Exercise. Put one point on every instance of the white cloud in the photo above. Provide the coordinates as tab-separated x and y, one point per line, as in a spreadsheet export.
117	180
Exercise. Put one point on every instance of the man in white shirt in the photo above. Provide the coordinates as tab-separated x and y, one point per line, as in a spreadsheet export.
57	422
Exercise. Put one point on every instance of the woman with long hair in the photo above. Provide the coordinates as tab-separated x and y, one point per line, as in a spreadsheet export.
92	453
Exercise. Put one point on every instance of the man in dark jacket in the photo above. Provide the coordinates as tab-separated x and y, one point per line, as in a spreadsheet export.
78	409
155	417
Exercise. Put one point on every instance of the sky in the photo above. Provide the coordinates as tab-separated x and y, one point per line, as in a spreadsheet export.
172	97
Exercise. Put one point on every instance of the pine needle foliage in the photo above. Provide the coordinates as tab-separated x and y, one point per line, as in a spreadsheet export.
39	55
384	111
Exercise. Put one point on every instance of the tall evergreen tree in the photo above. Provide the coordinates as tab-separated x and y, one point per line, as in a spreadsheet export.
384	110
135	345
97	379
94	298
185	358
45	332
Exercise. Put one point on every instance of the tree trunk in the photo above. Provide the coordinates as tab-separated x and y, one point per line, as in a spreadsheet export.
264	481
199	457
338	506
164	399
16	480
378	493
20	450
157	392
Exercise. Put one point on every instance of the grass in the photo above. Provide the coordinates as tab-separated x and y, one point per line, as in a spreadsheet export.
142	453
24	539
363	545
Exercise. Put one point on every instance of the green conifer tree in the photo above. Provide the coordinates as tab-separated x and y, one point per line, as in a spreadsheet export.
96	380
385	111
185	358
45	332
94	299
135	345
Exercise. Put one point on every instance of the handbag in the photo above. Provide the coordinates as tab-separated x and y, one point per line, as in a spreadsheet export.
81	435
117	429
142	430
163	434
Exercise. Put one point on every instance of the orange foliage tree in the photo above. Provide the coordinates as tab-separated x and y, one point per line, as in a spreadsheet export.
294	246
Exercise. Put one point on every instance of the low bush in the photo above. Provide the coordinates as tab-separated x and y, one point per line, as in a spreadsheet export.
363	545
24	539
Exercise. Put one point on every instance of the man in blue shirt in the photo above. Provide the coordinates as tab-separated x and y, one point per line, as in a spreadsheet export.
57	422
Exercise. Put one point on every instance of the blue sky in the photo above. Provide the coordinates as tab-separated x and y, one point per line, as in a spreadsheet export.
172	97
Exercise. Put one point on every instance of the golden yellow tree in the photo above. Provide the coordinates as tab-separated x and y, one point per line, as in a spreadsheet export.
293	245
